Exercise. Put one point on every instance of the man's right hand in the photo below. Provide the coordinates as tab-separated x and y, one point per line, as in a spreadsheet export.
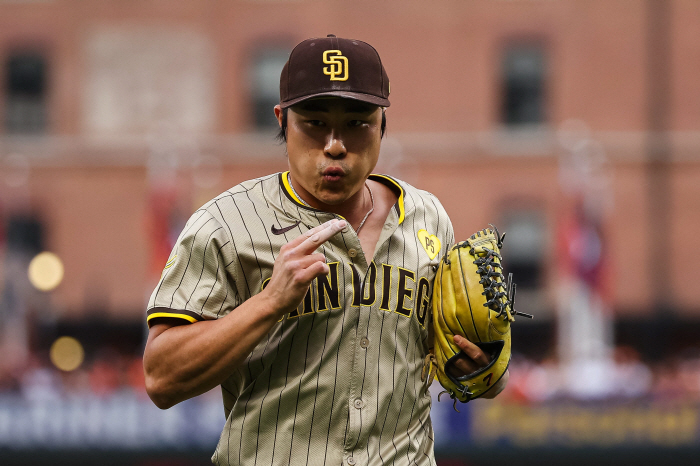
297	266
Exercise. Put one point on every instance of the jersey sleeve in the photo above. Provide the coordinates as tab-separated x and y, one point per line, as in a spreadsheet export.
195	284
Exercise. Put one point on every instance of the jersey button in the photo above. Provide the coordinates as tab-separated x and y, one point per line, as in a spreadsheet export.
364	343
351	461
359	404
352	252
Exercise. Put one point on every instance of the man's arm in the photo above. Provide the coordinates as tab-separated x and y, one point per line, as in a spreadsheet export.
182	361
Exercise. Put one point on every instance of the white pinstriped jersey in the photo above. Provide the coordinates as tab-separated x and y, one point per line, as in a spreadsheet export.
338	381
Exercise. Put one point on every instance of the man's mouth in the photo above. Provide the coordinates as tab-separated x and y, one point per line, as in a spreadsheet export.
332	174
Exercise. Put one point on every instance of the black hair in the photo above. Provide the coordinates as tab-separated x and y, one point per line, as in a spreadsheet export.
282	133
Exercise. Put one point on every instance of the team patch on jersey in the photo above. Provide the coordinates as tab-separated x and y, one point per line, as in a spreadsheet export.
430	243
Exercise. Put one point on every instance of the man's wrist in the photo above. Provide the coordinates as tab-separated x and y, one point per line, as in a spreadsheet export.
269	306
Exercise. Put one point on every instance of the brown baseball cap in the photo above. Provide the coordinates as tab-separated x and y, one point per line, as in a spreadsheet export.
331	66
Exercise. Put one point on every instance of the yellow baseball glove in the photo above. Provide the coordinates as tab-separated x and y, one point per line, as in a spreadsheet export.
472	299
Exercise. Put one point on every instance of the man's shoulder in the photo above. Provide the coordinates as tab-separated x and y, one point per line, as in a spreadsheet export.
253	190
240	202
256	187
417	199
407	187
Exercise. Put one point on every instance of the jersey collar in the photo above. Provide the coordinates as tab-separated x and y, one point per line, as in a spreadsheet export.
384	179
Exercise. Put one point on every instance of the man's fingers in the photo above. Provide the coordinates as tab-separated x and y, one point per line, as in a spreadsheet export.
319	237
463	366
301	238
471	350
305	262
472	360
313	271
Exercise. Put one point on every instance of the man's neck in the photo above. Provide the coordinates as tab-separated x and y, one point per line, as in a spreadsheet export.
352	209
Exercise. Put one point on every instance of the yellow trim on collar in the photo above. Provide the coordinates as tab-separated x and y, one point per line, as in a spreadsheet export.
402	211
288	187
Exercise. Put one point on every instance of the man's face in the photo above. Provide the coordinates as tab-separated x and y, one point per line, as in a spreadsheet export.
333	146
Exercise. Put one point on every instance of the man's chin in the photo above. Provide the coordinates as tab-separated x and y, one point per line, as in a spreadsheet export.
332	199
332	195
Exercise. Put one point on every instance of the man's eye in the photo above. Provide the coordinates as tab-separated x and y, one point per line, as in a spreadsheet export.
315	122
356	123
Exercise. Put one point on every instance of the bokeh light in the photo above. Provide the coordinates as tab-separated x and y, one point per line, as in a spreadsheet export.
46	271
67	353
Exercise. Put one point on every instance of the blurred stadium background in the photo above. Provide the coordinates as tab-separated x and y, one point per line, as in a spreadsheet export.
574	125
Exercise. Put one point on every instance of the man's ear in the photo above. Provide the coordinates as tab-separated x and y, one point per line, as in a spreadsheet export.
278	114
383	124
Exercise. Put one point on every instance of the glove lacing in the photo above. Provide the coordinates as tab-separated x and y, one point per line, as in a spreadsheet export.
454	398
495	285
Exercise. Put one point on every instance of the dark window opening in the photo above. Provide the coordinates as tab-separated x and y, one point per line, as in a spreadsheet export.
25	234
267	68
25	94
524	248
523	86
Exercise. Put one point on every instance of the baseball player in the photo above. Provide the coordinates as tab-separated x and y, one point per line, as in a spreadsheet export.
306	294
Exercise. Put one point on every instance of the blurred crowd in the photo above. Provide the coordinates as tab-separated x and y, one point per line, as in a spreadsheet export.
107	373
624	377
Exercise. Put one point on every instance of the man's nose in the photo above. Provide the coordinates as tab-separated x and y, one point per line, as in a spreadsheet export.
335	147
